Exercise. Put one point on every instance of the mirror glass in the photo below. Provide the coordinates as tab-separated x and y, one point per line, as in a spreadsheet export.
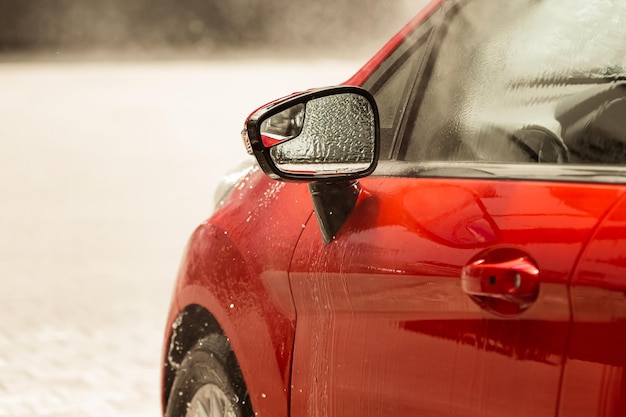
282	126
337	134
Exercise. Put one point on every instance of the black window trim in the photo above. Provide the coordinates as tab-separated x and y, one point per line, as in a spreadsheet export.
575	173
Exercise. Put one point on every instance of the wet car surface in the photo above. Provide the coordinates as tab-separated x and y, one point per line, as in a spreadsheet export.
441	235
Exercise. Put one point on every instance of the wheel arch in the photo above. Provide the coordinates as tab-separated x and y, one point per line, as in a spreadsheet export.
193	323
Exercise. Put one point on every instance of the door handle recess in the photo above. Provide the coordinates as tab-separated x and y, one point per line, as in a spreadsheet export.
513	280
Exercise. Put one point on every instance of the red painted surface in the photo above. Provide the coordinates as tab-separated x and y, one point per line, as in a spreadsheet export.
384	326
594	381
502	280
383	323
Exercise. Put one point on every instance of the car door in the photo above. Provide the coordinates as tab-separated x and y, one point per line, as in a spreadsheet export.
385	324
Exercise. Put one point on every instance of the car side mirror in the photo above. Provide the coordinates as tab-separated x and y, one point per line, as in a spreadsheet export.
326	134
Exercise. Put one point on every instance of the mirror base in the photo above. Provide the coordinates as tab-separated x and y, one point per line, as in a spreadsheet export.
333	203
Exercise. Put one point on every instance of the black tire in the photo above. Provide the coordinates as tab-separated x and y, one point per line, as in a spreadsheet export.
209	379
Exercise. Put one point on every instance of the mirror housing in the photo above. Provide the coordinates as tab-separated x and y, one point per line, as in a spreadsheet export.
329	134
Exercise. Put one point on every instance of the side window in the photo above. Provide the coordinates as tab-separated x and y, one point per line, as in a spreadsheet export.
530	86
447	120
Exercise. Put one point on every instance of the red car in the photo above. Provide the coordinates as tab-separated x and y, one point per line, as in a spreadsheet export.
442	235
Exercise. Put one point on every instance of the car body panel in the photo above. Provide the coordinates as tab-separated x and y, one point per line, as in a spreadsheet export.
243	283
594	382
384	326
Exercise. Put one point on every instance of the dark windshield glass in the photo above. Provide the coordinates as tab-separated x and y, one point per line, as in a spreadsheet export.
522	81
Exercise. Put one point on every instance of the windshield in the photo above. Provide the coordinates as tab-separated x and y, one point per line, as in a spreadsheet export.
520	81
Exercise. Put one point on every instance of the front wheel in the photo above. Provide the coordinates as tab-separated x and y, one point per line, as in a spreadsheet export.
209	383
